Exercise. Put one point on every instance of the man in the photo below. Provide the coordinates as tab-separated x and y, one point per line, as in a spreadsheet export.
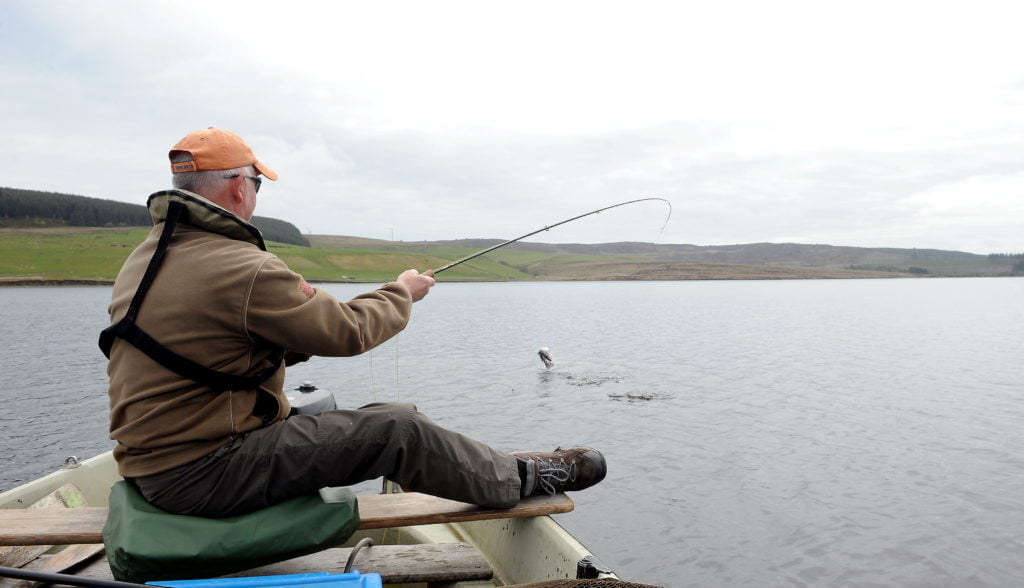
204	321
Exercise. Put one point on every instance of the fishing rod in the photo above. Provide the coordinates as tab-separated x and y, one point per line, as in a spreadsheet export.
510	241
52	578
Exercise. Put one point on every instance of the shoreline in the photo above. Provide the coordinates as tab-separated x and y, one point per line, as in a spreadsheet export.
29	283
48	282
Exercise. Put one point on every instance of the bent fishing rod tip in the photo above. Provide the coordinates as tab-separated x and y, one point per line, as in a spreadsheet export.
549	227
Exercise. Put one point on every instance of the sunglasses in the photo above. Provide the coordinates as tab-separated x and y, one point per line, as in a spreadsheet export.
256	179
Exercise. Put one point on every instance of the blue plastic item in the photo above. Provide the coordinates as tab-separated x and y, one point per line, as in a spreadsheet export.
352	579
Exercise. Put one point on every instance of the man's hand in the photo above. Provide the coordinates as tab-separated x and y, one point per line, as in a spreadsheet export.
416	283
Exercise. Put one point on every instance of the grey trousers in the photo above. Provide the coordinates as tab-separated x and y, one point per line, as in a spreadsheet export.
304	453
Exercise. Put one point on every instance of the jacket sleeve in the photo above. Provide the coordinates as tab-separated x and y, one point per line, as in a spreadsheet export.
286	311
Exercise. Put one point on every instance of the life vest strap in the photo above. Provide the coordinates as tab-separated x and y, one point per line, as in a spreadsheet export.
127	329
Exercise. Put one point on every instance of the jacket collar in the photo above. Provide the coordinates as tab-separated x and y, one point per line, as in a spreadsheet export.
204	214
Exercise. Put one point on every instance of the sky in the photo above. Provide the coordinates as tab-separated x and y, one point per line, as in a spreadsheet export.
870	124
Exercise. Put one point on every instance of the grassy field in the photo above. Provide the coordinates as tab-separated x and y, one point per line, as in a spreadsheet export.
66	254
94	255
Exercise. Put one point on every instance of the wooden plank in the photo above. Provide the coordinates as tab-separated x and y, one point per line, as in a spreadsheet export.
69	557
60	526
52	526
429	562
65	559
17	555
379	511
397	564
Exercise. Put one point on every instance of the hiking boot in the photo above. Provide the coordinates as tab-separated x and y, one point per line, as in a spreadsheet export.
561	470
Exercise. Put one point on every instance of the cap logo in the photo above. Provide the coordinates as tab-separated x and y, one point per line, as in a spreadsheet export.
183	166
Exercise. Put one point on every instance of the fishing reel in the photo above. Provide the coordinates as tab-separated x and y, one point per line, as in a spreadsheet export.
308	399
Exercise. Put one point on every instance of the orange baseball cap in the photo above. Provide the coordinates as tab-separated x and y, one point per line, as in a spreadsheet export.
214	149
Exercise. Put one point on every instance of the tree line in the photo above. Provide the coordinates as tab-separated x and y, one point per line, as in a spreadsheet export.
1016	258
34	208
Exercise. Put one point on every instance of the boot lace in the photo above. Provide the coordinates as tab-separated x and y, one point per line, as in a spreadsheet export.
552	473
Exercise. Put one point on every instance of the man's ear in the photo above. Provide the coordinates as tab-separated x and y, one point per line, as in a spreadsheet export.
237	185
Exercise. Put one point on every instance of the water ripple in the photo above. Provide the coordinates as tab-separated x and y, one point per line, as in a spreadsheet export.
792	433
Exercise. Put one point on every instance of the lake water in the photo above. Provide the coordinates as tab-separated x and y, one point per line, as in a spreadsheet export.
758	433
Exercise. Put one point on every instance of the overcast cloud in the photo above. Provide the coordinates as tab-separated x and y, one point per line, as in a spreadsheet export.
895	124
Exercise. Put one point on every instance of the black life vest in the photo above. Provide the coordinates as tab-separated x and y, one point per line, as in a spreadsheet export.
127	329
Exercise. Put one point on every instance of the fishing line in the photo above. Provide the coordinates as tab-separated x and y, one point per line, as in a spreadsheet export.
388	485
373	386
500	245
398	393
520	238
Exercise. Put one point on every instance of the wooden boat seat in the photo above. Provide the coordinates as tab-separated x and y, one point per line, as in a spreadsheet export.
430	563
66	526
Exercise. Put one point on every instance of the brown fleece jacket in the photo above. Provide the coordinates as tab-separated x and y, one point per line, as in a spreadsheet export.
221	300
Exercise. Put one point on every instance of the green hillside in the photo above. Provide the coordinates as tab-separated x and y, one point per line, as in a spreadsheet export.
65	254
90	254
48	237
96	254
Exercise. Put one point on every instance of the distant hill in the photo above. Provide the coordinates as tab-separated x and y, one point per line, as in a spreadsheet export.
49	238
629	260
35	209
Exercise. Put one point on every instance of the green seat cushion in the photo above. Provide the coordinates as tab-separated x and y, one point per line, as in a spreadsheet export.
144	543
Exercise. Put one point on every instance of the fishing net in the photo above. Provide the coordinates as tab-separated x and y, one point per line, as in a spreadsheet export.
599	583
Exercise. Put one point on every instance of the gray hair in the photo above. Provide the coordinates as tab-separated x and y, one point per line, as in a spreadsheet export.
204	183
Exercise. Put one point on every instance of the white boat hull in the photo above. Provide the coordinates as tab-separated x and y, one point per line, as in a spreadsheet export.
519	550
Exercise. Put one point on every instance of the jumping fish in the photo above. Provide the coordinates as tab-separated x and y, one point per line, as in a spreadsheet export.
545	356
